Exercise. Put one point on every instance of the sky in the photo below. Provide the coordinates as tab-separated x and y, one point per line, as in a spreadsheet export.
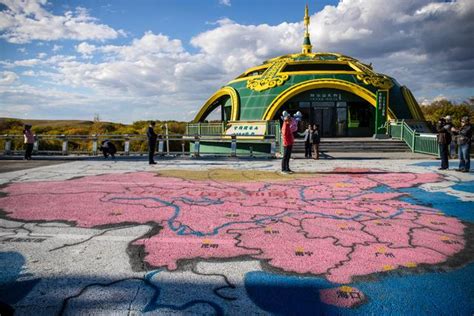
162	59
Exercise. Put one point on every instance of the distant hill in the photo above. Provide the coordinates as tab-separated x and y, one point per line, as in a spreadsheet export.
53	123
14	126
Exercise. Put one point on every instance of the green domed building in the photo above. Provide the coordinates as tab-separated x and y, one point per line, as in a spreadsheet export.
345	96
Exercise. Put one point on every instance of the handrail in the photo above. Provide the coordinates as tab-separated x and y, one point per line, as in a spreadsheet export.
180	144
424	143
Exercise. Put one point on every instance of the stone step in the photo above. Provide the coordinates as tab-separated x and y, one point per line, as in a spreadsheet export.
358	145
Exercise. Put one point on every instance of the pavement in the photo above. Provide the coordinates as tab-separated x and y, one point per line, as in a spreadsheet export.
222	236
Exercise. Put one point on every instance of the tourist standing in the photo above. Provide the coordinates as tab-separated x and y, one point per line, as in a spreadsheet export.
308	141
444	139
464	139
152	137
29	140
316	140
452	144
289	127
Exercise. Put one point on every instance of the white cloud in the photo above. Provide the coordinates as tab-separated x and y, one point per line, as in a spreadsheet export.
28	73
8	77
22	63
225	2
424	45
56	48
42	55
85	49
25	21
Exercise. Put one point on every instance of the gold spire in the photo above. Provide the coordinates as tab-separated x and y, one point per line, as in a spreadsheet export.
306	20
307	47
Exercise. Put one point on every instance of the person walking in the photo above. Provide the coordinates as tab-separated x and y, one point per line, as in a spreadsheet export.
316	140
308	140
464	139
152	137
444	139
289	127
29	140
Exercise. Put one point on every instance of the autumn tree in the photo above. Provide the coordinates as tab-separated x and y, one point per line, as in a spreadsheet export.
441	108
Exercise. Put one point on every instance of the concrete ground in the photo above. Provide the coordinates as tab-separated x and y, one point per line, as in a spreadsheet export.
234	236
17	164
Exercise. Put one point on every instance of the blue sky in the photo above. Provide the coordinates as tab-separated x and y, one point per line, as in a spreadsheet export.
132	60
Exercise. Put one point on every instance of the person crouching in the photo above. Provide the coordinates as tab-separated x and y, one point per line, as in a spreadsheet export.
108	148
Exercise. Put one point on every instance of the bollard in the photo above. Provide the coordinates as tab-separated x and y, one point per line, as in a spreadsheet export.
196	146
126	146
64	144
160	147
273	148
182	148
94	144
8	145
233	146
36	145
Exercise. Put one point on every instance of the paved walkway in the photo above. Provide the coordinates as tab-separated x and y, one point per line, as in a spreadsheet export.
337	237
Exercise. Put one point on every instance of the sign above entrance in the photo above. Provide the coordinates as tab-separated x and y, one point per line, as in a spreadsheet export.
246	128
325	97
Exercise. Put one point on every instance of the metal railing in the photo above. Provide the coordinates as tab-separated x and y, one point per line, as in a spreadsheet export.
209	129
418	142
219	128
167	145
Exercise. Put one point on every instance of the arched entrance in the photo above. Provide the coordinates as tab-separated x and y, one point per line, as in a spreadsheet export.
340	108
227	99
337	112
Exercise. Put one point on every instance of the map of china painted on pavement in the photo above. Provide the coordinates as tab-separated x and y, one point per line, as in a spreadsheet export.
337	225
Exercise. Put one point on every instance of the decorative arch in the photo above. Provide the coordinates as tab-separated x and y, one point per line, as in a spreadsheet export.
225	91
278	102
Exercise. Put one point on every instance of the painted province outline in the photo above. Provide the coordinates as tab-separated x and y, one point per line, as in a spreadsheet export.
337	225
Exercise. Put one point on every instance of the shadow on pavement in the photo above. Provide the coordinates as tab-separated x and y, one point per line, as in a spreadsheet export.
86	295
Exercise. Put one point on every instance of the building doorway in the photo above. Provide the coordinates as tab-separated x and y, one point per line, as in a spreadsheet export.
338	113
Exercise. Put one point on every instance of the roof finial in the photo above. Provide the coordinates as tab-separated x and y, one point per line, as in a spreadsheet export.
307	47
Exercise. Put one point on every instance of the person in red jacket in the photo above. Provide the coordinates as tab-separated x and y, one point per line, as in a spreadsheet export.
289	127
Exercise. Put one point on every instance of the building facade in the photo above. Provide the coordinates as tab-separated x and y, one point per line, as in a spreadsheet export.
345	96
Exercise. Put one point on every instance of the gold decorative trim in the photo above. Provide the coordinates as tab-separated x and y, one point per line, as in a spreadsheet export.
367	75
270	78
318	84
413	106
235	103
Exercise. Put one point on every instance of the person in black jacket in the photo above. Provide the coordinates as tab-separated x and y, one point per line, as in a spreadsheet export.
308	141
444	139
464	139
108	148
152	137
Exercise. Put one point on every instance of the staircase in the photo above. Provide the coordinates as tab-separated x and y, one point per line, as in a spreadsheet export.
356	144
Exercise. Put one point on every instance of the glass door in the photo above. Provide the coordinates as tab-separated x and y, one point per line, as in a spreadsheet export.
341	124
325	117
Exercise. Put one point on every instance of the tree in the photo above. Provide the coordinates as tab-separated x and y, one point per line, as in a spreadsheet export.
442	108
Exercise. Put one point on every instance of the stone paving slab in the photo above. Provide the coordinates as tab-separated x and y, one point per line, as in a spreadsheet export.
337	237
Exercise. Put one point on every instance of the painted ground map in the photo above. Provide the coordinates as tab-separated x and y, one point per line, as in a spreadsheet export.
339	227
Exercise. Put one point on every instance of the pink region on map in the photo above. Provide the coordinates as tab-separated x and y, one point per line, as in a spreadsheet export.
343	296
333	224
